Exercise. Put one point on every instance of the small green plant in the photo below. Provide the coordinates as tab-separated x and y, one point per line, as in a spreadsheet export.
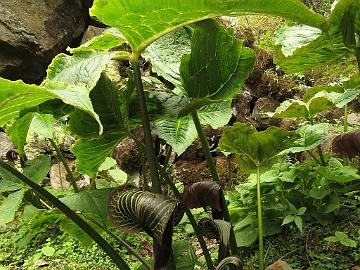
343	239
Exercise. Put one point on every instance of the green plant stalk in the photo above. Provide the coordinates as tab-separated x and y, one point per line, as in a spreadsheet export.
192	220
215	177
120	241
109	250
150	152
67	168
314	158
260	225
346	112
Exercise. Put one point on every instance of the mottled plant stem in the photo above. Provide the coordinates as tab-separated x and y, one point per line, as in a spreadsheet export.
149	147
215	177
346	113
109	250
67	168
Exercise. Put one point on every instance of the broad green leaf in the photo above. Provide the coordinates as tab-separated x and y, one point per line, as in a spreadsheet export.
327	47
144	22
108	39
165	55
319	104
348	242
341	235
254	149
91	150
291	109
91	202
16	96
332	239
8	185
299	223
18	132
218	64
48	251
69	227
38	168
83	68
184	254
294	37
43	124
288	219
301	211
336	171
107	164
10	205
180	132
310	136
330	204
246	236
134	210
118	176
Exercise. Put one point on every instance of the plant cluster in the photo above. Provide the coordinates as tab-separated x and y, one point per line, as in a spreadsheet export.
207	67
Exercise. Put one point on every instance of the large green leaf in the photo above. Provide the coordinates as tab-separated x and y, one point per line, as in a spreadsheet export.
18	132
16	96
69	227
184	254
327	47
91	150
310	137
38	168
180	132
291	109
292	37
10	205
254	149
91	202
83	68
108	39
143	22
218	64
165	54
43	124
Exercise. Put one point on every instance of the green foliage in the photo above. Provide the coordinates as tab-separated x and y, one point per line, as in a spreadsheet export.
254	149
156	18
218	59
343	239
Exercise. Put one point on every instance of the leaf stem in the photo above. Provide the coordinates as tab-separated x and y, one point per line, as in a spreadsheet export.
67	168
260	225
322	159
313	156
120	241
109	250
346	113
191	218
215	177
149	147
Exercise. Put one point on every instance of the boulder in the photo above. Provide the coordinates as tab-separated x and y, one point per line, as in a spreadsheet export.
262	106
279	265
32	32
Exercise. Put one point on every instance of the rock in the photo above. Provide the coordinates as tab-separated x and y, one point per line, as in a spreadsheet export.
5	145
354	119
262	106
279	265
242	106
32	32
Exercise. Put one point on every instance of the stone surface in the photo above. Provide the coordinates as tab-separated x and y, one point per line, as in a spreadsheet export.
32	32
5	145
279	265
262	106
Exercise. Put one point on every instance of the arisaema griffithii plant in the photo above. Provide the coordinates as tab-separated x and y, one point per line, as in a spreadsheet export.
101	115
